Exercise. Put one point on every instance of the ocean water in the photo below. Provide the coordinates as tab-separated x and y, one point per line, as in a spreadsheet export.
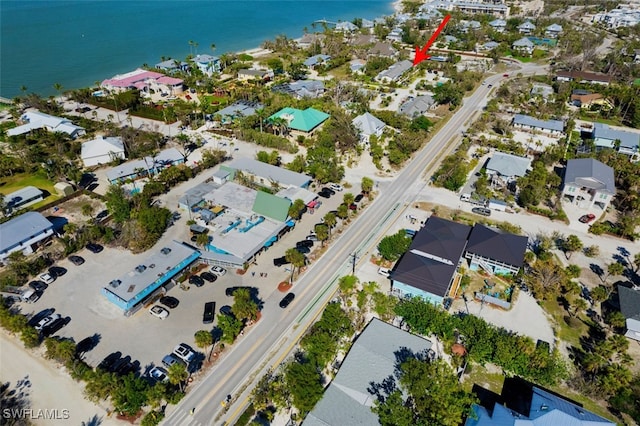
76	43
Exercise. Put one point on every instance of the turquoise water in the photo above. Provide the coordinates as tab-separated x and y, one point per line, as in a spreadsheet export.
76	43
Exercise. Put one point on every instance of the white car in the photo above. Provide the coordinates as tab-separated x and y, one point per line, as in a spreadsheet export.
336	187
184	352
159	312
46	278
159	374
46	321
218	270
384	271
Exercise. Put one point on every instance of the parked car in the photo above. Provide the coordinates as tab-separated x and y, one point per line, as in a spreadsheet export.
336	187
169	302
226	310
481	211
54	326
587	218
304	243
184	352
208	276
324	194
279	261
94	248
171	359
286	300
109	361
46	278
218	270
358	198
312	237
38	285
505	75
196	280
57	271
159	374
384	271
121	365
209	312
329	190
302	249
158	312
353	206
76	260
39	316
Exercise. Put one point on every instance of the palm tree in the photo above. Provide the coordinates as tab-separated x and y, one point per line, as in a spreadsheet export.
191	47
58	88
177	374
330	220
296	259
261	114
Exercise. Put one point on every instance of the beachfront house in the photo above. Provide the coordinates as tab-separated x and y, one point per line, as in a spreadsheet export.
208	64
171	66
588	183
146	82
255	75
298	122
39	120
346	27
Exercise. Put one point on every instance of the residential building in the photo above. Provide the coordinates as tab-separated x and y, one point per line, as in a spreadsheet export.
588	183
394	72
254	74
522	403
39	120
135	169
584	77
132	290
372	361
102	150
490	45
429	268
381	48
208	64
395	35
415	107
363	39
172	66
625	142
346	27
357	65
618	17
495	251
465	26
298	121
263	173
23	233
238	109
368	125
147	82
526	28
489	7
553	31
22	198
543	90
585	99
301	88
365	23
630	308
523	46
526	122
316	60
309	39
502	169
498	25
450	39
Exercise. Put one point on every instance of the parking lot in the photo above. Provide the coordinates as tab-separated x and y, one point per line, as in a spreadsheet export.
143	337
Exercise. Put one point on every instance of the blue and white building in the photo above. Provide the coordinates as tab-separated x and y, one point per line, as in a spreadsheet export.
23	233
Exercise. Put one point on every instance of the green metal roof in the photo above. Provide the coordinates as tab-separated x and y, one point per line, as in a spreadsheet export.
271	206
304	121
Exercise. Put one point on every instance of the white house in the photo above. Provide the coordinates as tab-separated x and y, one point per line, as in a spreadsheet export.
526	28
526	122
208	64
368	125
102	150
346	27
588	183
504	168
498	25
22	198
553	31
39	120
23	233
524	46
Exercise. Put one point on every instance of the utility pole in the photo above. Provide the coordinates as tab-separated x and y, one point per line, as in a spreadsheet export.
354	257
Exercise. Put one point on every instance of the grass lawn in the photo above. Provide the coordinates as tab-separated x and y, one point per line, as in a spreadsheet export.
216	100
10	184
568	333
489	378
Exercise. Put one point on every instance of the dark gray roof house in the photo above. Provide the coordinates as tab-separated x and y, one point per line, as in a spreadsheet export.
590	173
499	246
630	308
239	108
432	259
372	359
417	106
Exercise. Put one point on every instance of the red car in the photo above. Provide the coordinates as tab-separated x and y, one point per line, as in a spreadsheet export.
505	75
587	218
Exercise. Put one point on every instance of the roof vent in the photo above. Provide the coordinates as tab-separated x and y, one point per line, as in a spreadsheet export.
544	407
115	283
140	269
165	250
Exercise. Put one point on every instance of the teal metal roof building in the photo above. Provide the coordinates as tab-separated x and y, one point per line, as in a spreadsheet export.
301	120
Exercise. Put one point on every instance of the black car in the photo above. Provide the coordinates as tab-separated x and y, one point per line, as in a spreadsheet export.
226	310
54	326
209	312
120	364
302	249
305	243
358	198
109	361
208	276
94	248
40	315
38	285
57	271
481	211
85	345
279	261
169	302
329	190
287	300
196	280
324	194
76	260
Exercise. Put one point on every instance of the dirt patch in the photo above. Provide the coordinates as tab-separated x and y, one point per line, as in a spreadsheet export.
72	209
284	286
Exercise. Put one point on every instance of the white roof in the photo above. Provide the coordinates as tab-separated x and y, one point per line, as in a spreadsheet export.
37	120
368	124
523	42
22	228
509	165
101	146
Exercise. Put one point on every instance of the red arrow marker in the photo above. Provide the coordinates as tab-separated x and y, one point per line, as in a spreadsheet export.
421	55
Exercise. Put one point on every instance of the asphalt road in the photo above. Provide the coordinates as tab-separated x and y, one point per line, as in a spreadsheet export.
272	338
